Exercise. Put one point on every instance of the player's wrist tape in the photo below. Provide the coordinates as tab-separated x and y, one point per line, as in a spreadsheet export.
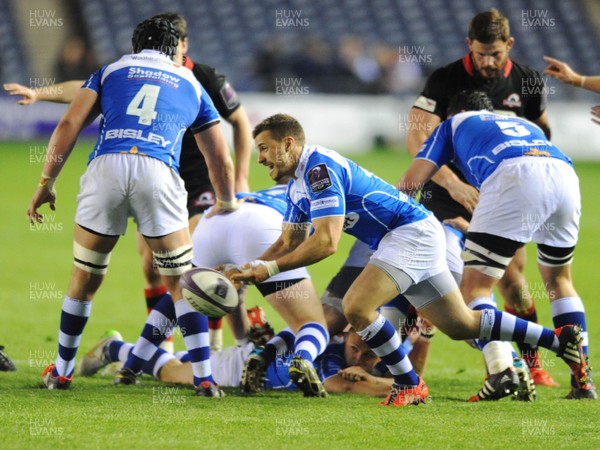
582	81
226	204
47	182
272	267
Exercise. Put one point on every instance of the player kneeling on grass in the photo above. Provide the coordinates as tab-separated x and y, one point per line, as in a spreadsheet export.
528	192
334	194
344	367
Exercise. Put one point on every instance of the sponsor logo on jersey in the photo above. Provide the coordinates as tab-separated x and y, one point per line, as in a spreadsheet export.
319	178
130	133
512	101
156	75
322	203
425	103
537	152
350	220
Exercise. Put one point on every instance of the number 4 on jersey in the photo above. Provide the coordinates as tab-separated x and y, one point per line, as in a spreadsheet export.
143	104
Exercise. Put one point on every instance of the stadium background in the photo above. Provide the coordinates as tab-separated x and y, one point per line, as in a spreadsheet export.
272	50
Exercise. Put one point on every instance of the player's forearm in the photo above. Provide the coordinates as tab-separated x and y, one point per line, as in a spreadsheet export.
445	178
60	146
58	93
218	160
242	142
590	83
414	141
375	386
311	251
222	179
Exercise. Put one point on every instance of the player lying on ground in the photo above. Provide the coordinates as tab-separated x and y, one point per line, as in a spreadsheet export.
344	367
235	239
528	192
137	156
334	194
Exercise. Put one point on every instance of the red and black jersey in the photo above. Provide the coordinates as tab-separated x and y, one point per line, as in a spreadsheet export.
520	91
192	168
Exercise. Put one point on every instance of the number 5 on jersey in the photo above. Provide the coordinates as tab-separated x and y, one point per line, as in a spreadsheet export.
144	103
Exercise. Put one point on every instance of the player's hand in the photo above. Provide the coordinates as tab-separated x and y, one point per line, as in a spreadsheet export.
354	373
42	195
228	270
561	71
460	223
596	114
465	194
218	208
28	96
251	273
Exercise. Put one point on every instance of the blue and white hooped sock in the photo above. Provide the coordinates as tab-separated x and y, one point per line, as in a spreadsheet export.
159	325
311	340
194	329
74	316
278	345
382	338
570	311
500	326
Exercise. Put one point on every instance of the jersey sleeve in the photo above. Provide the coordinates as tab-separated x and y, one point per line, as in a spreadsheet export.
438	147
220	90
93	82
330	365
207	116
324	178
433	98
293	214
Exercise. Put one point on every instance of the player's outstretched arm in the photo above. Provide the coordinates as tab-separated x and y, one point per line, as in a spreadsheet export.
563	72
355	380
83	110
220	168
242	143
56	93
321	244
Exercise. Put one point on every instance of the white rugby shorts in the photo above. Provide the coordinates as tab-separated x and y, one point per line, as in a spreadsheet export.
530	199
418	249
239	237
118	186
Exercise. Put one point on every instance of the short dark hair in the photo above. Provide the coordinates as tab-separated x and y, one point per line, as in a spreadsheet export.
280	126
177	20
155	34
489	26
469	100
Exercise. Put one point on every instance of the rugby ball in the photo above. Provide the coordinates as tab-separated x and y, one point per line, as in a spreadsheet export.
209	292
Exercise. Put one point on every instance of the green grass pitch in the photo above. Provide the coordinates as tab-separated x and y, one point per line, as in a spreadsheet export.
35	266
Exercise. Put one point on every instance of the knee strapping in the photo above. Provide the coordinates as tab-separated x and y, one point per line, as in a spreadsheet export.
175	262
90	260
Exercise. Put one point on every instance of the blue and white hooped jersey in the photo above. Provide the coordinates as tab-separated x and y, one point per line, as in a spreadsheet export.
478	141
327	184
273	197
147	102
